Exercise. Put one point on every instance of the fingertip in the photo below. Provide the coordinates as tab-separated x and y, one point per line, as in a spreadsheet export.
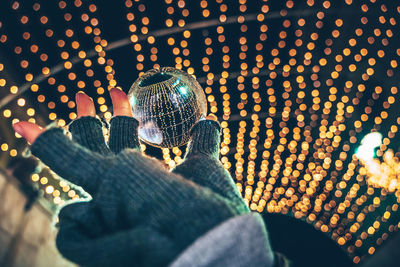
28	130
112	91
84	105
81	95
117	92
17	128
212	117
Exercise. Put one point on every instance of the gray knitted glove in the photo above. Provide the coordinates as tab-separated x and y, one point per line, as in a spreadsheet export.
202	166
130	190
88	132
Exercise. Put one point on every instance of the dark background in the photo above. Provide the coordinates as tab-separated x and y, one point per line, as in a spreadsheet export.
299	238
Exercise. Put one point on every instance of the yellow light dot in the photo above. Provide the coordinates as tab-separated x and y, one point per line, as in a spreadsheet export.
21	102
52	116
35	177
44	180
61	123
371	230
7	113
29	77
57	200
68	65
4	147
71	193
341	241
13	152
103	108
56	193
49	189
371	250
30	111
113	83
34	87
72	115
107	115
13	89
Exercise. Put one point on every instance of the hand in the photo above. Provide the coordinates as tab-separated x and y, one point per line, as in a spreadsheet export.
128	190
85	107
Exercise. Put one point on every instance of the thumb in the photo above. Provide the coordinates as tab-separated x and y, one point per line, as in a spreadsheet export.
28	130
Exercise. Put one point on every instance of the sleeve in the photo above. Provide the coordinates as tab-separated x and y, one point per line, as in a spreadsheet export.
202	166
83	239
140	246
123	133
239	241
88	132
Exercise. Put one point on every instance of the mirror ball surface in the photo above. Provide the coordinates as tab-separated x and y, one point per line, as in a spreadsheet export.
167	102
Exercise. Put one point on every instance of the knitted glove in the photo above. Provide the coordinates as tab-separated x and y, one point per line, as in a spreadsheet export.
136	190
83	232
123	134
88	132
202	166
201	163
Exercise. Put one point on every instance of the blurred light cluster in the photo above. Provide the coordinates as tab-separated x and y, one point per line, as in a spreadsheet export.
384	174
379	174
296	85
366	151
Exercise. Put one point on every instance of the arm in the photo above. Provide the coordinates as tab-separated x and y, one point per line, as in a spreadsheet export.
130	190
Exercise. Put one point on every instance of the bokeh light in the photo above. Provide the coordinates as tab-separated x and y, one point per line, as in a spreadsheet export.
296	86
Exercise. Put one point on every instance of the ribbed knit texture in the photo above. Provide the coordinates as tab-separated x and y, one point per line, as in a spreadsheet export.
123	134
88	132
205	139
141	214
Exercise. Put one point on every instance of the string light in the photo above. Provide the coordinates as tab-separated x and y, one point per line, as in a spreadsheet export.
296	87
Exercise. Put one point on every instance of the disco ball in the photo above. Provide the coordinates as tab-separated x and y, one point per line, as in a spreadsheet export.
167	102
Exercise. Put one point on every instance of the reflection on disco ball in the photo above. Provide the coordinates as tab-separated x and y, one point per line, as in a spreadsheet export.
167	102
